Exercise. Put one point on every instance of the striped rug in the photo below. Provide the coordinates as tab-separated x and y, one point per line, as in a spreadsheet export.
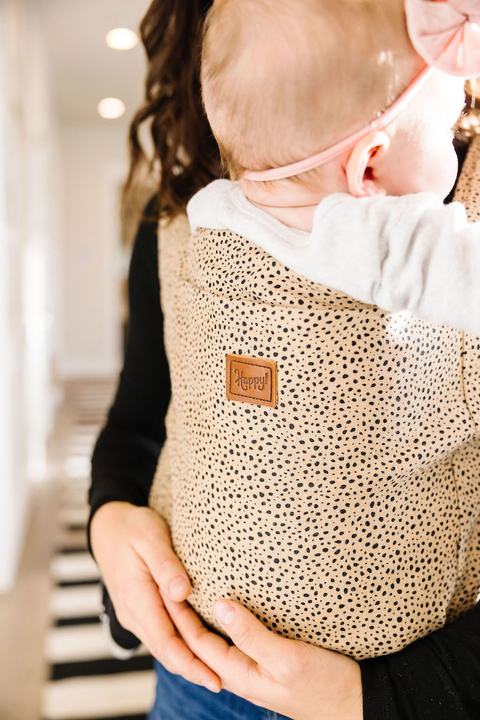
85	681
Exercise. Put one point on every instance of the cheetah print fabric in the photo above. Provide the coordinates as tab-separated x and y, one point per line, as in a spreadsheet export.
347	516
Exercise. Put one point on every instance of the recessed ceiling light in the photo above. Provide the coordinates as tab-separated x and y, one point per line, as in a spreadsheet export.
121	39
111	108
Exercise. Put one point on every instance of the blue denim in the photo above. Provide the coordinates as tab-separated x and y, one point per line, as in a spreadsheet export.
178	699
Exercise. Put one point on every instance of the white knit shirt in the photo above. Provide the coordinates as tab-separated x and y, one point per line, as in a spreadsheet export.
400	253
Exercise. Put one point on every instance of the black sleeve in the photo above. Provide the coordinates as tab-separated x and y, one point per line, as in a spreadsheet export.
437	677
126	453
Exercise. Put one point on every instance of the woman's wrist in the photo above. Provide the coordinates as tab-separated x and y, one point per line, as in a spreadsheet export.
346	685
353	705
101	522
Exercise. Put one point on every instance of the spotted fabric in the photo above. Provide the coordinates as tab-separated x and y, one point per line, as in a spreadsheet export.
347	516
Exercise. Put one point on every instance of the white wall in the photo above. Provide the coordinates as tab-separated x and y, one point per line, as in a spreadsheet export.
60	254
41	209
94	166
28	172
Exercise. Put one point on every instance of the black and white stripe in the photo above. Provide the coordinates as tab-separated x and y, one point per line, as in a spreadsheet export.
85	681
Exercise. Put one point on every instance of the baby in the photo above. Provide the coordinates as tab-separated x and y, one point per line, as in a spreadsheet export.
334	490
399	247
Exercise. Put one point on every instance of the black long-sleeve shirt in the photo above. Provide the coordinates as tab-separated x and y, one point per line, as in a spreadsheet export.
127	450
437	677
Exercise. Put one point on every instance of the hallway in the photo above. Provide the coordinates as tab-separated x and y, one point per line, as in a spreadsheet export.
55	663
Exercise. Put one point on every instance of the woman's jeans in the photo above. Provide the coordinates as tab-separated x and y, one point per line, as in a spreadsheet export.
178	699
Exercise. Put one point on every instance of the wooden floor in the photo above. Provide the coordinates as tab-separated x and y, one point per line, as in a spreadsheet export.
24	614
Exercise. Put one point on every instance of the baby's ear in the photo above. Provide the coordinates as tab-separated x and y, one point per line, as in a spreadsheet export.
360	167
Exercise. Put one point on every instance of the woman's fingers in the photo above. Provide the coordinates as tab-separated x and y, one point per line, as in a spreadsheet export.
239	673
195	634
250	635
290	677
133	549
160	637
151	540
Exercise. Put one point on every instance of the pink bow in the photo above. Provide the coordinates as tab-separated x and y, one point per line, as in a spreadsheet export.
446	34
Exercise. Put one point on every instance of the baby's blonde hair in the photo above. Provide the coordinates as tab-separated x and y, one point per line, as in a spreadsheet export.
284	79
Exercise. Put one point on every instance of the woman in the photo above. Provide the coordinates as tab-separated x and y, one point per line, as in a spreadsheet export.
131	544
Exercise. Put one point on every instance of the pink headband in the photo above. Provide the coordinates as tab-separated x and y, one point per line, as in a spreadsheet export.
445	34
339	148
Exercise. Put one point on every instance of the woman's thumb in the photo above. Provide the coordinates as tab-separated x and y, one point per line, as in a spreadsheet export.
249	634
155	548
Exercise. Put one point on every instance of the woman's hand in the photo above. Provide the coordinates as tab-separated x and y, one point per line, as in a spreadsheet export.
133	549
290	677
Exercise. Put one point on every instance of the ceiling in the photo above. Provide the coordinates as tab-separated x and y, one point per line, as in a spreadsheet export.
83	68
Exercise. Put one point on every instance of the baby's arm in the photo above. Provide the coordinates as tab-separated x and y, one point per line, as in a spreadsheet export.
408	253
434	272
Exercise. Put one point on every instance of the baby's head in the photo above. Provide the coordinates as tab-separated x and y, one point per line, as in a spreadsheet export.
284	79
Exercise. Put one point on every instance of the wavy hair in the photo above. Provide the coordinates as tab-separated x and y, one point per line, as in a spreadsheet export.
185	151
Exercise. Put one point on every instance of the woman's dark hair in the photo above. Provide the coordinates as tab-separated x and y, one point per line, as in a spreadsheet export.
184	146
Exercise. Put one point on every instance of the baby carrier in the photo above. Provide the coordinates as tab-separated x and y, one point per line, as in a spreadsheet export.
322	460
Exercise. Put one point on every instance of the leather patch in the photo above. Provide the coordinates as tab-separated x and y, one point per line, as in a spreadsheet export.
252	380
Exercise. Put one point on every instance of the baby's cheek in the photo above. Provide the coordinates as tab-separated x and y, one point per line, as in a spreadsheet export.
450	167
442	166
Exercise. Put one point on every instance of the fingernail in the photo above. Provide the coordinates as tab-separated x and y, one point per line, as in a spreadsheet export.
178	587
210	686
224	612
